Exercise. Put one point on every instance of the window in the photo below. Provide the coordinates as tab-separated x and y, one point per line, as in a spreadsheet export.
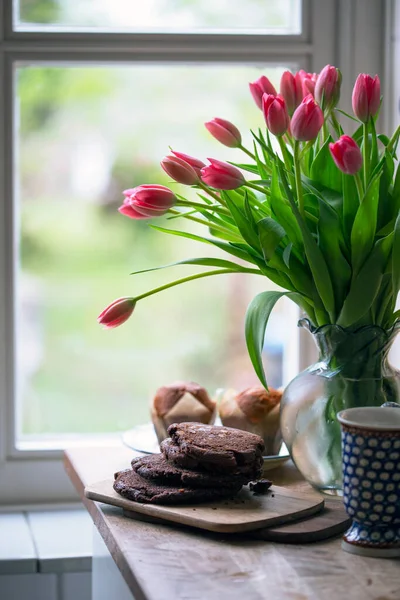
94	93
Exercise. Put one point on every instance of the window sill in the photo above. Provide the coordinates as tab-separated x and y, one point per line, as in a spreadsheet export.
51	541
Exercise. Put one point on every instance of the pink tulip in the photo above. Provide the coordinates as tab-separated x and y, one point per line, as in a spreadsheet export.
195	163
225	132
307	120
327	88
117	312
275	114
179	170
366	97
260	87
308	81
146	201
347	155
291	89
221	175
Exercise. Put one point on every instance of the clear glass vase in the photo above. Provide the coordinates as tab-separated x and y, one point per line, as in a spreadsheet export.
352	371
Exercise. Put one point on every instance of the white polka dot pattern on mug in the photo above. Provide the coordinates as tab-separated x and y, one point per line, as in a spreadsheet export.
371	477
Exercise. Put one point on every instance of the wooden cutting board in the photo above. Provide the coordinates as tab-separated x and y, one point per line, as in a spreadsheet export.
246	512
332	520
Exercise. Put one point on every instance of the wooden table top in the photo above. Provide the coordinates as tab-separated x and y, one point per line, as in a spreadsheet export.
164	562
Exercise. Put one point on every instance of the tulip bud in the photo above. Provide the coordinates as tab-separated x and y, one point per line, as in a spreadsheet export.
327	88
179	170
225	132
260	87
366	97
291	89
347	155
307	120
308	81
117	312
221	175
195	163
146	201
275	114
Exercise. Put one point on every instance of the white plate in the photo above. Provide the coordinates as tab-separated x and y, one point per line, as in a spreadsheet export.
142	438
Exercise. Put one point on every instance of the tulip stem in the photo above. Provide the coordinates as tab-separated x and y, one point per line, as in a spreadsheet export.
192	277
359	185
189	203
297	172
253	156
285	153
211	193
366	154
258	188
393	139
208	224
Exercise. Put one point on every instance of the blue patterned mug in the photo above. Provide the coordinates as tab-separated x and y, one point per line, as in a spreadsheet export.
371	480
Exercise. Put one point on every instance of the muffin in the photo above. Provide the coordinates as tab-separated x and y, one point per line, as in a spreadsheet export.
180	402
255	410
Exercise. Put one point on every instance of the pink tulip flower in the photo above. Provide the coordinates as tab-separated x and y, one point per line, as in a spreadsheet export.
260	87
291	89
225	132
195	163
307	120
146	201
221	175
347	155
179	170
327	88
275	114
308	81
117	312
366	97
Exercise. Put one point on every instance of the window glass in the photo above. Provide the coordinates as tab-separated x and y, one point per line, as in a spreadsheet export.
274	16
84	134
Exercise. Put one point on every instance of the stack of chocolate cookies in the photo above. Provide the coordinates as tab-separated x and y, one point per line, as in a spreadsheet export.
198	463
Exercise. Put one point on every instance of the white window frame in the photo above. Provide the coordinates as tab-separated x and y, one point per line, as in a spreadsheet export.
333	31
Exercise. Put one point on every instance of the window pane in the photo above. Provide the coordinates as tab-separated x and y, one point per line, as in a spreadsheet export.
274	16
84	135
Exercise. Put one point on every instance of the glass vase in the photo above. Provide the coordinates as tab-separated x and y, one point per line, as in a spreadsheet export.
352	371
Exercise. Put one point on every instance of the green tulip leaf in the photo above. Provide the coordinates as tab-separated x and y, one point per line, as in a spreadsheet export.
240	252
366	283
246	226
364	227
257	317
324	170
204	262
287	253
331	243
350	203
396	258
314	255
270	234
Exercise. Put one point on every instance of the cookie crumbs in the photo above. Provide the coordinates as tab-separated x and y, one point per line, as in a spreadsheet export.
261	486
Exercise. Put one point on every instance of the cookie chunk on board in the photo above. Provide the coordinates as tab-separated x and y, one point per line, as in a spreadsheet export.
213	447
157	468
133	487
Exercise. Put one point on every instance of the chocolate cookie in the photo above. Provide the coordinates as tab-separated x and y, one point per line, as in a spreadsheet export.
223	447
159	469
133	487
173	454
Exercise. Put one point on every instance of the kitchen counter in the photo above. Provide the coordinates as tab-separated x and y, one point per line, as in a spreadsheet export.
167	562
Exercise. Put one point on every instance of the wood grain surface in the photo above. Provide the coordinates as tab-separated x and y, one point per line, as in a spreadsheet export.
164	562
245	512
332	520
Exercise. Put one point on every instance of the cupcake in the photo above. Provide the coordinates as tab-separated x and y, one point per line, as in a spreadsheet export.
255	410
180	402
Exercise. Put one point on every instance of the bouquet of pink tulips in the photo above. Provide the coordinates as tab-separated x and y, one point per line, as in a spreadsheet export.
317	212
